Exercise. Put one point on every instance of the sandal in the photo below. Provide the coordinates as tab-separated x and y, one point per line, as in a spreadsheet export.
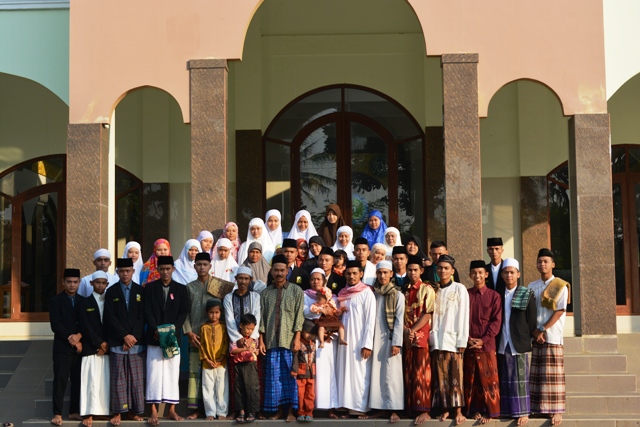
240	418
250	418
302	418
308	418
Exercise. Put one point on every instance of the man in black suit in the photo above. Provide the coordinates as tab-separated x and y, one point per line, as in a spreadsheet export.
495	250
436	250
67	345
94	392
124	315
325	262
167	304
294	274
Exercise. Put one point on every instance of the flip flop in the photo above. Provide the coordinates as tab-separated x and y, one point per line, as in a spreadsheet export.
250	418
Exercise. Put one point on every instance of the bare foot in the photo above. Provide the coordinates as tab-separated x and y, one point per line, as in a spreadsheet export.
484	420
342	342
332	414
290	417
444	416
523	421
153	420
277	416
56	420
195	415
87	421
459	417
208	418
75	417
173	415
394	418
477	416
115	421
556	419
422	418
133	417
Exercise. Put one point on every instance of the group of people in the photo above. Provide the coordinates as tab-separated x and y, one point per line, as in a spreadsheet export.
383	332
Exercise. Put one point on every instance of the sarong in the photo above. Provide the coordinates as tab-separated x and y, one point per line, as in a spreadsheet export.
447	380
194	389
280	388
481	384
548	394
94	385
514	384
127	382
417	379
162	376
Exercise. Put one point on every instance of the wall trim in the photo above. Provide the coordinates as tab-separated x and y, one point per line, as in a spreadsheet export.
33	4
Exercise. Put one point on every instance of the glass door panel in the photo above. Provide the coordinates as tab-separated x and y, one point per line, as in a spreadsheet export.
6	225
410	191
619	243
278	167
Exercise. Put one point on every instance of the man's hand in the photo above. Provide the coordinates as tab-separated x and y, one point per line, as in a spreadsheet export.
395	350
461	350
262	347
104	347
365	353
130	341
74	339
156	335
296	344
79	348
194	339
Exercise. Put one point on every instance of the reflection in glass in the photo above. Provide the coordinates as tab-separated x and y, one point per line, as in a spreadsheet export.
6	220
278	167
618	159
129	218
318	179
39	252
634	160
560	221
31	175
369	176
618	243
410	192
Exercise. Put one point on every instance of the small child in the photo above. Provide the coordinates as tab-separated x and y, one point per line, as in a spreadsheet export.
245	359
340	262
214	345
328	322
304	370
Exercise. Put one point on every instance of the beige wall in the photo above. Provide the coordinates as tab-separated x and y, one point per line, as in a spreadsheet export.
624	110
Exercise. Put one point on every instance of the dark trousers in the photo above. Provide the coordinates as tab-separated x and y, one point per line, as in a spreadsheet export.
66	366
247	387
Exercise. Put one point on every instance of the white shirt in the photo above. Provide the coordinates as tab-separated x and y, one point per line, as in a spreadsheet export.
495	270
505	337
554	335
100	300
450	326
369	276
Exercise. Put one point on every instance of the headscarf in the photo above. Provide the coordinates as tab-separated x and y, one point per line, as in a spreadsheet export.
300	259
349	247
235	244
398	240
204	234
276	235
327	230
295	232
138	265
375	248
185	271
149	271
415	239
374	236
261	268
268	248
318	240
223	268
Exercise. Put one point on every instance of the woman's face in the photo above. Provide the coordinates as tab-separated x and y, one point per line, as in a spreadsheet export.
344	238
193	251
254	255
134	254
303	250
391	239
316	281
303	224
378	255
374	222
223	252
332	217
315	248
206	244
256	231
338	262
162	250
412	248
273	223
232	232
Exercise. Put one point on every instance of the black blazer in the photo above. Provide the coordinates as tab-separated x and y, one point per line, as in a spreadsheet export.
521	325
64	321
120	321
499	286
339	281
158	312
94	331
309	265
298	276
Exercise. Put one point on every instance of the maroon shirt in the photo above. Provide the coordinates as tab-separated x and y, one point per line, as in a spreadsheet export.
485	317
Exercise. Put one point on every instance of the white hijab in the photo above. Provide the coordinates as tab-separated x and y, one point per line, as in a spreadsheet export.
349	247
185	271
276	235
268	248
204	234
398	240
224	269
137	266
295	232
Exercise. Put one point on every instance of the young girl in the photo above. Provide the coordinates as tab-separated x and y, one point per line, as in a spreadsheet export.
230	231
302	227
206	242
378	253
332	221
149	272
328	322
340	262
223	265
214	347
303	369
273	221
344	241
185	271
133	250
303	252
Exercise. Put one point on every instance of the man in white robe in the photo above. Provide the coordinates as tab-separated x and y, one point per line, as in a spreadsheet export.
387	380
354	360
102	262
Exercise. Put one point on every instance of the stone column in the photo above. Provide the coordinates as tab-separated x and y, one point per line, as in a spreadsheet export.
592	253
534	220
208	78
87	193
462	174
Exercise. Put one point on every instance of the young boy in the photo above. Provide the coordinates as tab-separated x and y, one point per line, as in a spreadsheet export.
245	359
304	370
214	346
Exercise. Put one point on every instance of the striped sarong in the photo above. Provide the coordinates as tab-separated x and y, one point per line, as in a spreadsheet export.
548	394
417	379
481	384
127	382
514	384
194	388
447	380
280	388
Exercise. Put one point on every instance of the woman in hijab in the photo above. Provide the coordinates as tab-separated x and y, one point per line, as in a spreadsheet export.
332	221
258	265
378	253
149	272
185	271
133	250
303	252
223	265
206	240
315	246
302	228
257	233
273	221
230	231
414	248
375	228
344	237
391	239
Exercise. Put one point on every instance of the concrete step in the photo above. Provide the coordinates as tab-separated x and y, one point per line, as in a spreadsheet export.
14	347
595	363
4	379
591	344
601	383
48	388
43	408
9	363
598	404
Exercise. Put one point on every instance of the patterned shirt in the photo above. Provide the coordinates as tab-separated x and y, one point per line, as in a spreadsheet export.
281	314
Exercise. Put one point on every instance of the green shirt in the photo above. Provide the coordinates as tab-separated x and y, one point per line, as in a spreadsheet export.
281	314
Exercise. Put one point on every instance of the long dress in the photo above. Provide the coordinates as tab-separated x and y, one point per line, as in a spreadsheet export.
353	372
387	381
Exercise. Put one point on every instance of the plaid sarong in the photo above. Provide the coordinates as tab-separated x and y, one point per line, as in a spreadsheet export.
514	384
194	388
280	388
548	394
481	384
447	380
127	382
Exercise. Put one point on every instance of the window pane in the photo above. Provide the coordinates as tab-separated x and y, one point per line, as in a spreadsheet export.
318	178
129	212
560	229
618	241
278	161
618	159
39	252
369	176
31	175
410	192
6	218
634	159
124	181
561	174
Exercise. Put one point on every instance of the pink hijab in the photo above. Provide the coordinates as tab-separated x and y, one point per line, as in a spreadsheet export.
234	243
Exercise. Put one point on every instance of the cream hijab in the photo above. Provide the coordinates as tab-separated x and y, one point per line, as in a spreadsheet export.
296	233
268	248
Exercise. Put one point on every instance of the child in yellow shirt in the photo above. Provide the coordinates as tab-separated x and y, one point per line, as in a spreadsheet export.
214	347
